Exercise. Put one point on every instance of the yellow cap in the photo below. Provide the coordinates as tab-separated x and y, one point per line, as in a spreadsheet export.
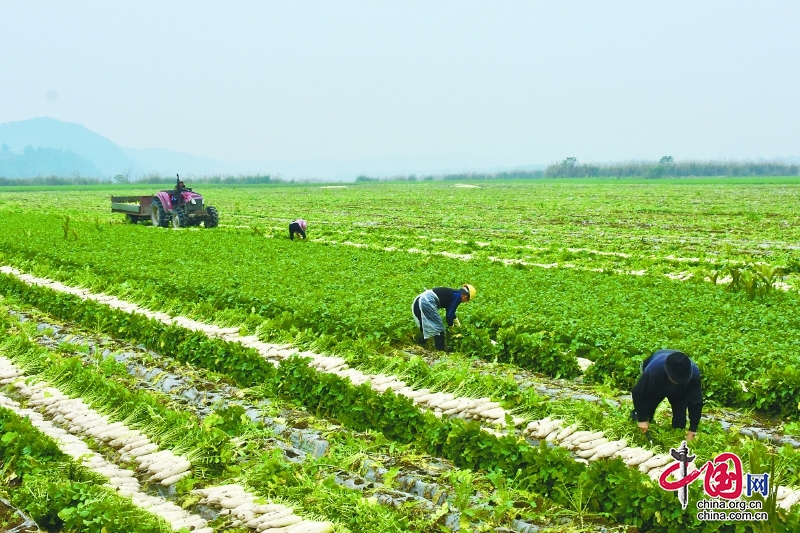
471	290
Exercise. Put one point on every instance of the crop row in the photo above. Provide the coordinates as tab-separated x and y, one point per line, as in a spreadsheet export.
456	404
332	364
755	278
620	490
537	319
180	384
596	420
134	446
557	256
55	489
121	479
214	455
70	375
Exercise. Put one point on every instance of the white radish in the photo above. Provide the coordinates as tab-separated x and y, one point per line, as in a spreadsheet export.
174	471
627	452
485	407
233	503
545	429
636	460
443	398
570	439
268	517
309	527
174	479
122	441
530	428
268	508
592	443
607	450
566	432
446	406
586	438
790	500
143	450
551	437
655	462
496	413
280	522
586	454
145	461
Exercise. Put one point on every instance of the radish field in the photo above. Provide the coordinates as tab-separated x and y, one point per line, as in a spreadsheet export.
230	379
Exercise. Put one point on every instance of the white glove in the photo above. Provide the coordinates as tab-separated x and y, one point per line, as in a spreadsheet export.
456	323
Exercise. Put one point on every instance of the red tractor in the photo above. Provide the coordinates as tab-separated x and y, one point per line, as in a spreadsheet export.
181	206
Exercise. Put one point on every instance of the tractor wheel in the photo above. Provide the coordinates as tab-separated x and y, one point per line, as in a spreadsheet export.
158	216
213	218
179	218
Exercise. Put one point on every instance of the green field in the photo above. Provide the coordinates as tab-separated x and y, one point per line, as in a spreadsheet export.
605	270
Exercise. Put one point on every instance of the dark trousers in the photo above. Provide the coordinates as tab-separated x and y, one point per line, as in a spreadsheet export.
679	408
294	227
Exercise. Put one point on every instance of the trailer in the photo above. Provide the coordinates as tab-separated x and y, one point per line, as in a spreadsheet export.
136	208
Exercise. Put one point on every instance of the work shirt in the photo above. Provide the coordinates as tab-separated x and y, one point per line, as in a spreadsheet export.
449	300
654	385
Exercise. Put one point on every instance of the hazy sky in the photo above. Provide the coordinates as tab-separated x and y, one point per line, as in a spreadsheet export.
515	82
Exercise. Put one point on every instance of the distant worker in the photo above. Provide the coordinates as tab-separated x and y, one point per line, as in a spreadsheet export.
672	375
297	226
426	311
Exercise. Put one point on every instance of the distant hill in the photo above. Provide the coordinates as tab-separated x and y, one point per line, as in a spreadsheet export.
44	162
46	146
72	140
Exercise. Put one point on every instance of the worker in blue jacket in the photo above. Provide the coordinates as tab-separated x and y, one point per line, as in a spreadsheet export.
672	375
426	311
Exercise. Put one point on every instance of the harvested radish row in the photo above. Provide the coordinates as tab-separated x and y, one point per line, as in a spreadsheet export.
242	505
123	480
81	419
162	466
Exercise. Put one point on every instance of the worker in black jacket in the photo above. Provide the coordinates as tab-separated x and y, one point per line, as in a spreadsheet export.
672	375
426	311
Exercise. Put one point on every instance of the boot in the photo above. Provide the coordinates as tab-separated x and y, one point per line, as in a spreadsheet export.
421	340
438	340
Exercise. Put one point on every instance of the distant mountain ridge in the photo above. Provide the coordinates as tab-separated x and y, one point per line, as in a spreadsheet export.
68	149
65	148
72	139
44	162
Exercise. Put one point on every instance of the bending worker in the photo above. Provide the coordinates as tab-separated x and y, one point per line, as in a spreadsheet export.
426	311
672	375
297	226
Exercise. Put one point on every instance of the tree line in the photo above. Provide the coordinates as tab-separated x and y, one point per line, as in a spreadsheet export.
667	167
